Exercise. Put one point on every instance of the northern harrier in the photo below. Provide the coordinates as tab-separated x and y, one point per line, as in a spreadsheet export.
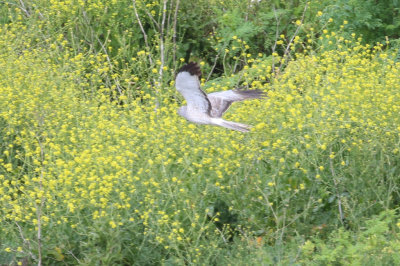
207	109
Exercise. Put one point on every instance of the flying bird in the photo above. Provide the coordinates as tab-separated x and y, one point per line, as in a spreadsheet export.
207	109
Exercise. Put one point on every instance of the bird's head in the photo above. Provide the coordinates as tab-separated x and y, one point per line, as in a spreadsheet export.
192	68
188	78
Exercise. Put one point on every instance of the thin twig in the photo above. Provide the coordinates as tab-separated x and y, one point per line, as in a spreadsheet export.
293	36
72	254
336	188
171	3
20	7
174	32
213	67
25	241
269	204
39	210
152	19
143	31
24	8
28	14
164	10
276	38
109	63
116	82
222	235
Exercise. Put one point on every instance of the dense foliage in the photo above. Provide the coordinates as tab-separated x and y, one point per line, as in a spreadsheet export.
96	167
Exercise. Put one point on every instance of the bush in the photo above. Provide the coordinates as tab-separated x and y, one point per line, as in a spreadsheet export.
378	242
375	21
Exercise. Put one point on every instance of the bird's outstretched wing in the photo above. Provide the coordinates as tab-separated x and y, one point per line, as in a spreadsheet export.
188	84
208	109
221	100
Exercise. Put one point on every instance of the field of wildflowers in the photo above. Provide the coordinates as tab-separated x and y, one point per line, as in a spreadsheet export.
96	167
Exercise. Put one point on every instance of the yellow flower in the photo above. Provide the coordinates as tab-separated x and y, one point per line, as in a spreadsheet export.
112	224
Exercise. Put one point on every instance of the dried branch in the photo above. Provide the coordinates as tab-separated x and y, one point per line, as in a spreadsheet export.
268	204
152	19
22	7
336	188
286	53
72	254
116	82
143	31
222	235
212	68
39	210
276	38
25	241
171	3
174	31
164	10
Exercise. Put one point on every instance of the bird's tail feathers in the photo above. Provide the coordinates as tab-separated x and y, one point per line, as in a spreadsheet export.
233	125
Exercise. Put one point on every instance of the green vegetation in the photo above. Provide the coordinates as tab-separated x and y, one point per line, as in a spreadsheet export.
96	167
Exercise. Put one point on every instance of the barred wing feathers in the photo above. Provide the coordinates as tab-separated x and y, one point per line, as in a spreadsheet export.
222	100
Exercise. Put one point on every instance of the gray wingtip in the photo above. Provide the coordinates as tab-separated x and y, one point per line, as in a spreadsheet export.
251	94
236	126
